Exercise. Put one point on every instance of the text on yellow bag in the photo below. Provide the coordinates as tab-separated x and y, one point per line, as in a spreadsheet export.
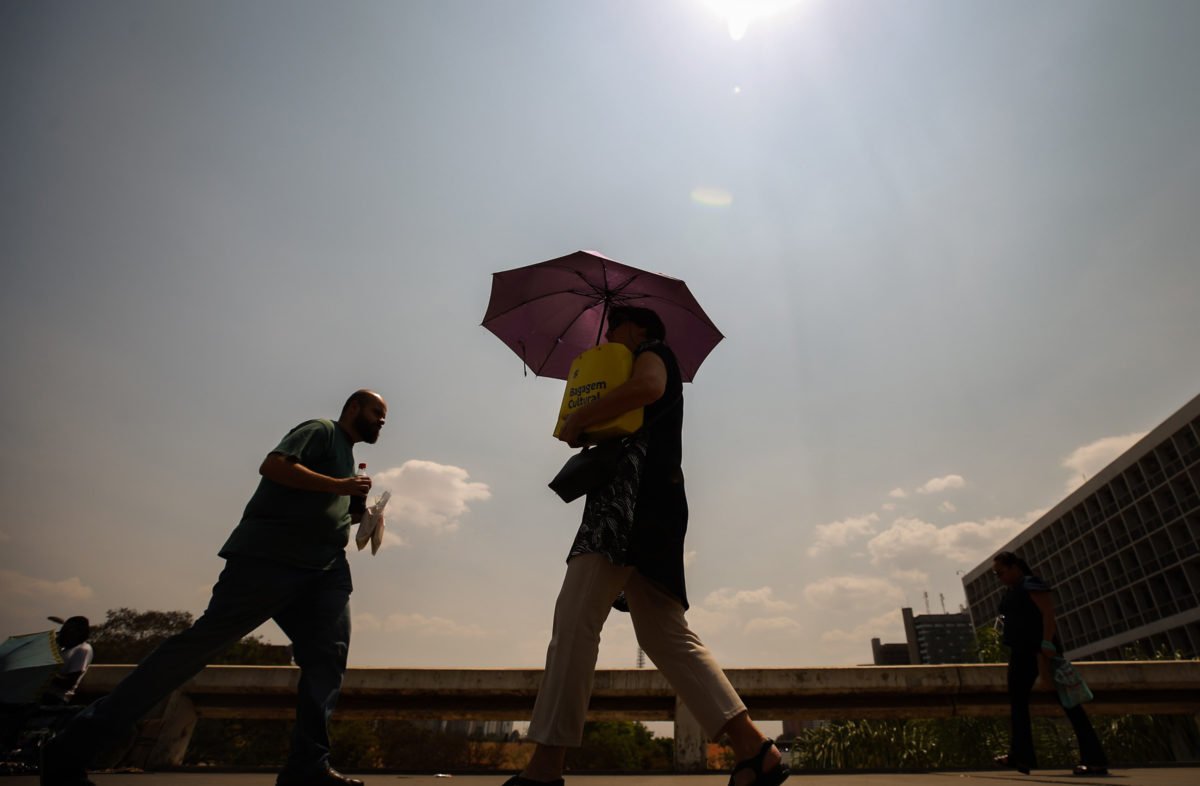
595	373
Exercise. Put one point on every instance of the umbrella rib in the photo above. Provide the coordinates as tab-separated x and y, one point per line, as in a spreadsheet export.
592	291
532	300
554	344
702	317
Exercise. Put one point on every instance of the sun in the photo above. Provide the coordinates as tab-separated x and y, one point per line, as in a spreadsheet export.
740	14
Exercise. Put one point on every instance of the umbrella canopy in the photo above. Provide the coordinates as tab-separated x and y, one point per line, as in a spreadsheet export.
27	664
550	312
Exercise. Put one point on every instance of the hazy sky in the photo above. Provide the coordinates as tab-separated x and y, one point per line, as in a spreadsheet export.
953	246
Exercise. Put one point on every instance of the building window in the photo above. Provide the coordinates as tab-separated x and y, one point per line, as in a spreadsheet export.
1185	491
1136	481
1168	456
1187	444
1121	491
1167	506
1152	470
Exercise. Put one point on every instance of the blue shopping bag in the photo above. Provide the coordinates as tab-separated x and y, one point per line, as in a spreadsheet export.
1072	690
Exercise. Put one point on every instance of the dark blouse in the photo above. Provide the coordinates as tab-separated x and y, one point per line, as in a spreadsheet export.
640	517
1022	617
661	513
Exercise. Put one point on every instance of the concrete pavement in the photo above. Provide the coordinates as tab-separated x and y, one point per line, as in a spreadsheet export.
1166	776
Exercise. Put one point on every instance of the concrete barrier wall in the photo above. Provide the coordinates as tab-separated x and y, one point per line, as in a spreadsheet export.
831	693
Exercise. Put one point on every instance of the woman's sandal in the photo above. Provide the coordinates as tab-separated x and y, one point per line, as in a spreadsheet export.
517	780
772	777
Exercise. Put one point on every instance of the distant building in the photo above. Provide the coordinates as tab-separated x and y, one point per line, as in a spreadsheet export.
932	638
889	654
938	638
1122	551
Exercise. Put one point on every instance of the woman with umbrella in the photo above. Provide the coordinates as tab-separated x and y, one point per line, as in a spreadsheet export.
628	553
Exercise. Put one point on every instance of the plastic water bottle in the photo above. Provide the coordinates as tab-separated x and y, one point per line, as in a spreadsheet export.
358	505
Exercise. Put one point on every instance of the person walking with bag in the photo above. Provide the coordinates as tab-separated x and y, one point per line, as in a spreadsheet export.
1031	634
628	554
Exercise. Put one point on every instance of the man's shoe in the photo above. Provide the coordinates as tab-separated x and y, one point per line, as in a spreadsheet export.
1007	761
1083	770
64	778
55	773
329	777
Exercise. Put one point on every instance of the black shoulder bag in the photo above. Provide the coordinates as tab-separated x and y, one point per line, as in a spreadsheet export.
596	465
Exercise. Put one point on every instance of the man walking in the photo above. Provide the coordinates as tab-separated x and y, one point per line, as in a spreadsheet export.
286	561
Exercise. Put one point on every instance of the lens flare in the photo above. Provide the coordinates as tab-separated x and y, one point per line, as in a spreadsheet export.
711	196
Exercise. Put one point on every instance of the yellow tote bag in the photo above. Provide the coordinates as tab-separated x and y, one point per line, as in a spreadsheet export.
593	374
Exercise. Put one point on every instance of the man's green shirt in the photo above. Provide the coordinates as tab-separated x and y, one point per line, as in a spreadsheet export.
309	529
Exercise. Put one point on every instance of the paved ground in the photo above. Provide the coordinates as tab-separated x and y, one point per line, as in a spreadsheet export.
1173	776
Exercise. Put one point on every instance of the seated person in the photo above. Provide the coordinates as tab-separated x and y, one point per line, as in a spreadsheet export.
77	655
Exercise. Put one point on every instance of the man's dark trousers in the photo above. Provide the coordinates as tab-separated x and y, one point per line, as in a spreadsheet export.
311	606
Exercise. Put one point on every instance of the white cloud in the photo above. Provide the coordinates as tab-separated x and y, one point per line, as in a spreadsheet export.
416	624
1095	456
429	495
888	506
689	558
839	533
18	585
886	626
966	542
934	485
707	622
911	576
774	625
365	623
852	592
948	506
897	493
727	599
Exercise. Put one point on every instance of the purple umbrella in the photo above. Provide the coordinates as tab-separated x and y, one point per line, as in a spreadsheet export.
550	312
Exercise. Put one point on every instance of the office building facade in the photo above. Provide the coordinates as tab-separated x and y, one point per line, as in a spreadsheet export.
1122	551
931	638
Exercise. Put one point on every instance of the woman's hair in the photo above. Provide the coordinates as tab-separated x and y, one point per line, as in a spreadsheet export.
642	317
1009	558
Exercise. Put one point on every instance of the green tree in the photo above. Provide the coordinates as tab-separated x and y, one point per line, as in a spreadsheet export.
620	745
987	647
128	635
866	744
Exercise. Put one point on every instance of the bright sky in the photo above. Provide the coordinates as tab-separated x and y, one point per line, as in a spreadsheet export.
953	247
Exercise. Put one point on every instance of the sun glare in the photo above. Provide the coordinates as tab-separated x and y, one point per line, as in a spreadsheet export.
740	14
711	196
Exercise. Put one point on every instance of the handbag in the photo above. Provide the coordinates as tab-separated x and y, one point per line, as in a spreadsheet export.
594	467
1072	690
588	470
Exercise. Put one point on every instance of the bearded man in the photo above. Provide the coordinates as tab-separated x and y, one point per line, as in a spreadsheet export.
286	561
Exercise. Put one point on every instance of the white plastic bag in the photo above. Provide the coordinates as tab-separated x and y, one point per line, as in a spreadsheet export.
370	529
